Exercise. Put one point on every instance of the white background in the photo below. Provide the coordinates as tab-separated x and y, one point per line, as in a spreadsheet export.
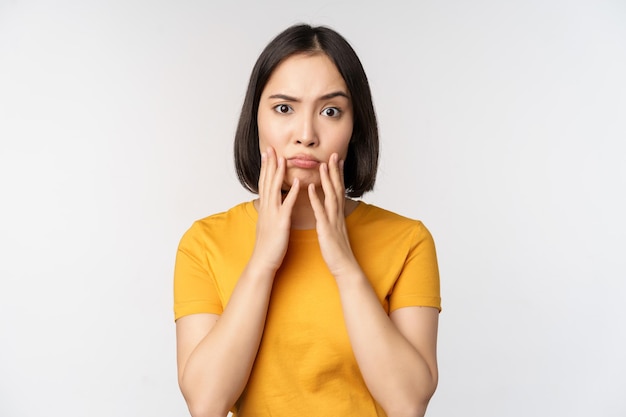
503	128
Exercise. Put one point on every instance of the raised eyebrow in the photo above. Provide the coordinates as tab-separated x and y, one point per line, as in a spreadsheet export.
283	97
334	94
324	97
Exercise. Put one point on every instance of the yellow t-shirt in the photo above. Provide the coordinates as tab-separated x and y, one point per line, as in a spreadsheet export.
305	364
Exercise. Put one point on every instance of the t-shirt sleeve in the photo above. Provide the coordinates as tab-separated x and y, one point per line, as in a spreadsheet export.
418	283
195	290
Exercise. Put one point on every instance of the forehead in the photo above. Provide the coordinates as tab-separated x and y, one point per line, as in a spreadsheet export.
303	74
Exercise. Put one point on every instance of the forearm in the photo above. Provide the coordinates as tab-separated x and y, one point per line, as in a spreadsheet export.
396	374
218	369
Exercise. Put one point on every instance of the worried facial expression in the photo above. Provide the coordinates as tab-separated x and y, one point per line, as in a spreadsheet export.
305	114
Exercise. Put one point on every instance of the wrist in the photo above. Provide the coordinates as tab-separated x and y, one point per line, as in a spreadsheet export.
351	272
259	267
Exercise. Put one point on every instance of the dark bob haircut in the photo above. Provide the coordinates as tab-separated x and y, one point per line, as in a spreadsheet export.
362	158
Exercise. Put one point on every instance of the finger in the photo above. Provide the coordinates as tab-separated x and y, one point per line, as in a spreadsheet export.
270	171
277	181
342	164
336	175
318	208
261	184
292	195
271	165
330	198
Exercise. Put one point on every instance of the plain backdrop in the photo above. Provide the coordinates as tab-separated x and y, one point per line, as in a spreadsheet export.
503	127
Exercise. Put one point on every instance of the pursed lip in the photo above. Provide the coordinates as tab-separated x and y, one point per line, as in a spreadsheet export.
303	161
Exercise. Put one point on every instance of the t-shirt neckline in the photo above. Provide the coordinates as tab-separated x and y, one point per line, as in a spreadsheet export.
351	218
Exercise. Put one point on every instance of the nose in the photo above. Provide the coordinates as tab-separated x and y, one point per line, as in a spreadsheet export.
306	134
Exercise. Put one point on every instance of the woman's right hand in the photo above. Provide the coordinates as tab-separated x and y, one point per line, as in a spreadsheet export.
274	222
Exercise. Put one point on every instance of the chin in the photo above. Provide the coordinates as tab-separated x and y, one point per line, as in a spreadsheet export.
305	180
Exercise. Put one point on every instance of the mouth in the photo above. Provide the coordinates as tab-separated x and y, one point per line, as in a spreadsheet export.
303	161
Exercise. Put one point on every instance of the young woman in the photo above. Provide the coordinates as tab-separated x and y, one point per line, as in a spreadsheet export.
305	302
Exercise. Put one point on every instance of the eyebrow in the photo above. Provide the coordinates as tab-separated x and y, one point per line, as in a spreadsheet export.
324	97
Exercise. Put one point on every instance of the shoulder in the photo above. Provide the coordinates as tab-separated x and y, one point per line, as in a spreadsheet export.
373	217
240	212
241	216
384	229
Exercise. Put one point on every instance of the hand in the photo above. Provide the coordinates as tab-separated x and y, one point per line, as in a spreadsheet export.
274	223
330	219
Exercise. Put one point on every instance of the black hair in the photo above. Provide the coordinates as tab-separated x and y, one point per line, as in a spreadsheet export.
362	158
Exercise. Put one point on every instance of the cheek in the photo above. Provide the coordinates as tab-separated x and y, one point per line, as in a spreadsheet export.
346	132
262	142
268	134
343	140
263	137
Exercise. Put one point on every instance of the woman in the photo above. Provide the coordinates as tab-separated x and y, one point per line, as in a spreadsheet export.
304	301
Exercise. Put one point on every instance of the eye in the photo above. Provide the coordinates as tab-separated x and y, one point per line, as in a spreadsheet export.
331	112
283	109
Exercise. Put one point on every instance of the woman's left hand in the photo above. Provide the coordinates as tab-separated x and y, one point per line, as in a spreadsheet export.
330	219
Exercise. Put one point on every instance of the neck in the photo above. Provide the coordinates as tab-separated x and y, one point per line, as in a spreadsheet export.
302	216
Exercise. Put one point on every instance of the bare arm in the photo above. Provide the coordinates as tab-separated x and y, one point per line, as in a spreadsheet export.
396	354
215	353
